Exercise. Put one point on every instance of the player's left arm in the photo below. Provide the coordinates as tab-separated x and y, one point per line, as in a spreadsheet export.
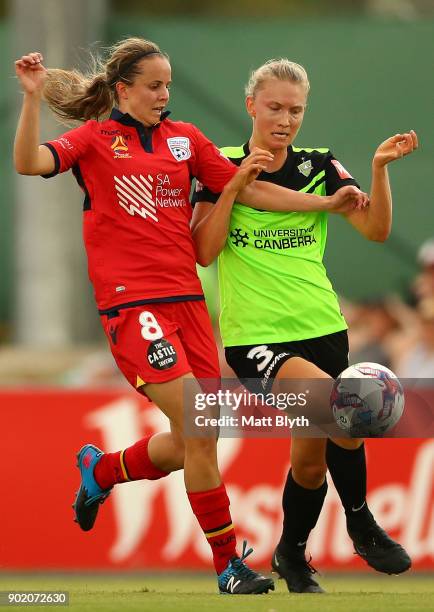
374	222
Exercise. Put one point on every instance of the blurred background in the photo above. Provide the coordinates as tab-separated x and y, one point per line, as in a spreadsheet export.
370	65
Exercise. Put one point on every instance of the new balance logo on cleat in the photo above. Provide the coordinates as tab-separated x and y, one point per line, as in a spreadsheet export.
231	585
239	579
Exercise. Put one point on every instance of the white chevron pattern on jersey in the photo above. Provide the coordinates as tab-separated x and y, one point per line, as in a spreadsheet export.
135	195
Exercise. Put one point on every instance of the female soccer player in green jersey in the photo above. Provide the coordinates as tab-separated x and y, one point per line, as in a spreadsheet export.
280	317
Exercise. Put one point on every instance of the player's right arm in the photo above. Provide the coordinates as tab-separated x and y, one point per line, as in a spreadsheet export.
207	167
29	156
263	195
274	198
210	223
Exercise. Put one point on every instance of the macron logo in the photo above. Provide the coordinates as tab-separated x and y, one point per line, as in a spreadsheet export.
135	195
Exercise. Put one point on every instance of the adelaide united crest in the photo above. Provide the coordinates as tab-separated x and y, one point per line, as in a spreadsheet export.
179	146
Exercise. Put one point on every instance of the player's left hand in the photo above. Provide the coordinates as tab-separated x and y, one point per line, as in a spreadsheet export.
395	147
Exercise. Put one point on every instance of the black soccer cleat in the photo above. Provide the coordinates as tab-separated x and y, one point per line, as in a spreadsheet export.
239	579
296	571
379	550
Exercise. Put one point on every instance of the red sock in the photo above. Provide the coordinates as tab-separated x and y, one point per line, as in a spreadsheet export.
212	511
133	463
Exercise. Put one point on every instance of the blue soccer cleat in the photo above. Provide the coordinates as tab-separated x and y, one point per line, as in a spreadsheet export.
239	579
89	495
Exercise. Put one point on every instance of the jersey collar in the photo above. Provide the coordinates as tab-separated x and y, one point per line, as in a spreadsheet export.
246	149
126	119
289	158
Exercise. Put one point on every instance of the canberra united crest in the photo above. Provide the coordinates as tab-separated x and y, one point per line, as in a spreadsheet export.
179	147
305	168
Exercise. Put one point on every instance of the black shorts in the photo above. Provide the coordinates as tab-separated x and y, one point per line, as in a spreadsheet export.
256	365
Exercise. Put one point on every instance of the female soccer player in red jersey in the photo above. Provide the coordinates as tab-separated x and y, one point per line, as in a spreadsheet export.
135	169
296	330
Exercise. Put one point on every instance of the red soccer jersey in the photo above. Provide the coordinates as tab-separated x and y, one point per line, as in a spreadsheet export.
137	210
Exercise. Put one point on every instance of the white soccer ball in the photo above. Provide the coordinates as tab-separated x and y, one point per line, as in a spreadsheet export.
367	400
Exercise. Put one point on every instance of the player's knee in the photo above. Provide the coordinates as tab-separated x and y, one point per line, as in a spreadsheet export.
348	443
308	475
178	451
205	447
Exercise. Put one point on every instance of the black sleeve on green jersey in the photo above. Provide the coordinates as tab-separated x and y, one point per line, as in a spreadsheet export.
203	194
333	179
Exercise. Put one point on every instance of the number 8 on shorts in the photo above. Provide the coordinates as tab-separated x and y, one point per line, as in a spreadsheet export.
150	328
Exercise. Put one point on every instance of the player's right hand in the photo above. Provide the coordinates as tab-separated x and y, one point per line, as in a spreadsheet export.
258	156
249	169
346	199
30	72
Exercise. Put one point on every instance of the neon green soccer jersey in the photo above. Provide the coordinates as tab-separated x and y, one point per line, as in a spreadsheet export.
273	283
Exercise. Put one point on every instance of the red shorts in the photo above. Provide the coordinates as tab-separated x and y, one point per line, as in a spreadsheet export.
155	343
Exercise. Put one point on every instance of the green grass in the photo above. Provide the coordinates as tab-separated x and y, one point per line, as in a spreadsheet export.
177	593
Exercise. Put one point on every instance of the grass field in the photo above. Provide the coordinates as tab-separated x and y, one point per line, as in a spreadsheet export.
158	593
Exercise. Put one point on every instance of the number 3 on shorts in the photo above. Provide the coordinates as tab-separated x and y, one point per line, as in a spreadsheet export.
261	352
150	328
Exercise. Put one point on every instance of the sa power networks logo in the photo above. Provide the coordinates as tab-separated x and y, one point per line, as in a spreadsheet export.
179	146
135	195
144	195
119	147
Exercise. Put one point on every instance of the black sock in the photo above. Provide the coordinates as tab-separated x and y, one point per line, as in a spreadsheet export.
347	468
301	509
